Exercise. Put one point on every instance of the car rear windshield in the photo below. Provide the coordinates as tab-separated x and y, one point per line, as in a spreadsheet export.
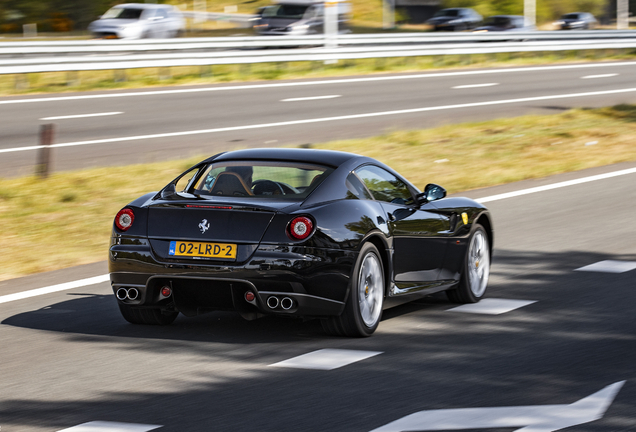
447	12
259	179
122	13
285	11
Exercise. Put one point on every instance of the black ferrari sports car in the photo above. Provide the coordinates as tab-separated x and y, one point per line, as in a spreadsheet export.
296	232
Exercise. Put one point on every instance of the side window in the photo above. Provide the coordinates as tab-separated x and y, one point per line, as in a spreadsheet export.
313	12
384	186
355	188
184	181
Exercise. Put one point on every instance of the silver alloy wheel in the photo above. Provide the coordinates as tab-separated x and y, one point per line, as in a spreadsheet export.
478	263
370	290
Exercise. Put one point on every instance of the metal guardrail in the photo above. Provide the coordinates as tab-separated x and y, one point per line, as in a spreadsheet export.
181	44
107	55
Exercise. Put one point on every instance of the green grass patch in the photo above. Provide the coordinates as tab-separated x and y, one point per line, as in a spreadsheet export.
65	220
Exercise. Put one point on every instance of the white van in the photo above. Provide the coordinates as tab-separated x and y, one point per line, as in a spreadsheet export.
298	17
139	20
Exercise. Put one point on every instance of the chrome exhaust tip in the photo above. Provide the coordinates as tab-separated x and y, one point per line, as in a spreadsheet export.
286	303
122	294
133	294
272	302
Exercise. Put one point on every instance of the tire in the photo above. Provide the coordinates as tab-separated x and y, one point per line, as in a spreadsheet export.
476	270
147	316
363	309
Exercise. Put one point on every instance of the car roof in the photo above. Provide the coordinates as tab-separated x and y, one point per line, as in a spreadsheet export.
322	157
298	2
141	5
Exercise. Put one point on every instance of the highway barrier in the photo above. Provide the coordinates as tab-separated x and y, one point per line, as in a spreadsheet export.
71	56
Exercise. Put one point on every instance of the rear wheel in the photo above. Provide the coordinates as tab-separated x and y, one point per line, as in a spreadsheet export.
147	316
474	280
363	310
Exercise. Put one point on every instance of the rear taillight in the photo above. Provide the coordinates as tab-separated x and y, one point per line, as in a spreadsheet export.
124	219
300	228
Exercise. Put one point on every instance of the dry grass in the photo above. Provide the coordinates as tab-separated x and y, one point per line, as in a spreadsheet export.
66	220
495	152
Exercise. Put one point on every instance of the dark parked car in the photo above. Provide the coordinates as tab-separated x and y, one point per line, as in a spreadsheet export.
504	23
455	19
295	232
576	21
298	18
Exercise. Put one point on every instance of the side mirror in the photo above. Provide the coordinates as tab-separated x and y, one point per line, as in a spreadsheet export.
432	192
168	191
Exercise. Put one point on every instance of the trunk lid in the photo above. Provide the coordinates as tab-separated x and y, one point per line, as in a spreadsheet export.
238	224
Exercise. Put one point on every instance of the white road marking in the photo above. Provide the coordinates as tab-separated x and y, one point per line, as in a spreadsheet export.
599	76
316	83
104	426
534	418
475	85
54	288
556	185
322	120
81	116
609	266
492	306
310	98
326	359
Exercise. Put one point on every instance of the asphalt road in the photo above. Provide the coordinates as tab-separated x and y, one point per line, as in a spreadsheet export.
137	126
68	358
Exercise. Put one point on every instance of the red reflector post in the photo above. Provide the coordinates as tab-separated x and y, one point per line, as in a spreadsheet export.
166	291
249	296
124	219
300	227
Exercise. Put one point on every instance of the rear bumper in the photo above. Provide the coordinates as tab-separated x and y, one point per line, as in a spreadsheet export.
311	281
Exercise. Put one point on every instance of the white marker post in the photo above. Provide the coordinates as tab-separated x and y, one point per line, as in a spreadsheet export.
530	12
539	418
388	14
331	24
622	14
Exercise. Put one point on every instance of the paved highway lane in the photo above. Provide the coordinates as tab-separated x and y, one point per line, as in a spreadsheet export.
139	126
560	334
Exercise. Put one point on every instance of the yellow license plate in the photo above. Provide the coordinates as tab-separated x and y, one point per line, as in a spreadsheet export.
203	250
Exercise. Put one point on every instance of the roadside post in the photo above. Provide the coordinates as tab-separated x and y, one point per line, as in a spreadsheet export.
622	15
530	12
331	24
388	14
44	153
